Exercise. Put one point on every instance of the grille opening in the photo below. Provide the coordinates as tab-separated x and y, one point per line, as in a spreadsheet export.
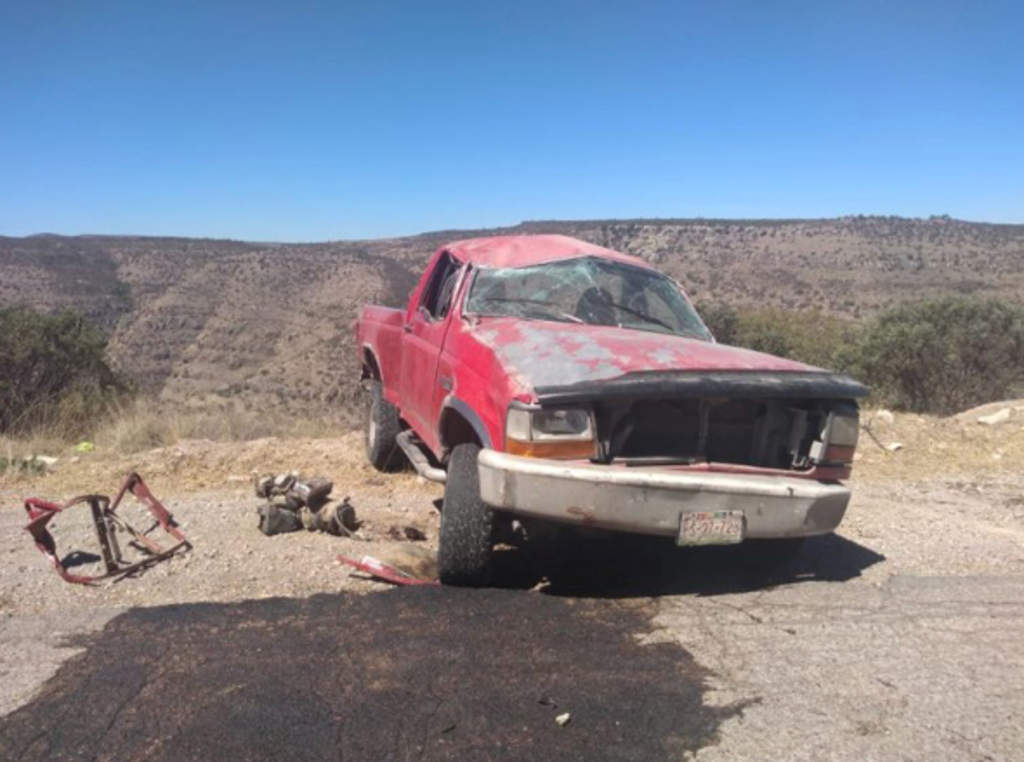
767	433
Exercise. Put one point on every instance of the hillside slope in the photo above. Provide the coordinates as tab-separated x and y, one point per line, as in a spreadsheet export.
199	321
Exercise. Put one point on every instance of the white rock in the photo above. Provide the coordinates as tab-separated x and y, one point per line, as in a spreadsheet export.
1000	416
894	446
563	719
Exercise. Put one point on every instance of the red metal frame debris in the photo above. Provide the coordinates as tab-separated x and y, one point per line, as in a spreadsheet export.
107	522
385	572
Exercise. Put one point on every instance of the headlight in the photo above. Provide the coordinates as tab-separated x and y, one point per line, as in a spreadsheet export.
838	440
550	433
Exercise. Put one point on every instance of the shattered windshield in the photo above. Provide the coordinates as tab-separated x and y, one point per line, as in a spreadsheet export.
586	290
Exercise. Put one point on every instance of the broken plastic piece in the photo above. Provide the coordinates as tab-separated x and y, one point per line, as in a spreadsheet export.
385	572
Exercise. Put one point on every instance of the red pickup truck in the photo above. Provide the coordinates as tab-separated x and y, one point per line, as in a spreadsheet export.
546	379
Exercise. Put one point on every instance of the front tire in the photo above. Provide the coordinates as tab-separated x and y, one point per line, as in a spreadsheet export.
382	428
467	524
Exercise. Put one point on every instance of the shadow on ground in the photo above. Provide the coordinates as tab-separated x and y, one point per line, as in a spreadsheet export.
79	558
624	566
433	673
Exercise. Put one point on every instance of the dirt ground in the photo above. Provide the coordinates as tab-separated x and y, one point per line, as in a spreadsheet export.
897	637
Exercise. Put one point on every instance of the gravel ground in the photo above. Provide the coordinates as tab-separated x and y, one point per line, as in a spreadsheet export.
230	560
898	637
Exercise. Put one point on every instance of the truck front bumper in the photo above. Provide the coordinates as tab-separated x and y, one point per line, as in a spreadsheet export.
652	500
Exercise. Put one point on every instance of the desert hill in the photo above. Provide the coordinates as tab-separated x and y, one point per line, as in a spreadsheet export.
199	322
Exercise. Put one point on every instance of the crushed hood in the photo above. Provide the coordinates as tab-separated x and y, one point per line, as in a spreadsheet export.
560	362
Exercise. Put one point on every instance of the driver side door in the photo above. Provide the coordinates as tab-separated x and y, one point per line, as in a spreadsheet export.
424	331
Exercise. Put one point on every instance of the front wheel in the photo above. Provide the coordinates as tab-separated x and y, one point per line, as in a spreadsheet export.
467	524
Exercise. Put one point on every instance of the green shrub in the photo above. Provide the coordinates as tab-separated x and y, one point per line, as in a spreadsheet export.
943	355
52	371
937	356
809	336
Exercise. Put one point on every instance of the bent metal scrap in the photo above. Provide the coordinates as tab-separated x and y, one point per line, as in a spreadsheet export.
107	522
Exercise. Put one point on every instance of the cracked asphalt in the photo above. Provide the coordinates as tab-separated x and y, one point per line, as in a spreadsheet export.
897	638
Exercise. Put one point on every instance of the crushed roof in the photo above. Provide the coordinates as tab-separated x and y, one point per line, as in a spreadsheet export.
526	250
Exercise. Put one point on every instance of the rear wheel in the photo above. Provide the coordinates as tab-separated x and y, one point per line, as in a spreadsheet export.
382	428
467	523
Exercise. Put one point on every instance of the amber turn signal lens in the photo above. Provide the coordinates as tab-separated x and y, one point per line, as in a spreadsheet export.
551	449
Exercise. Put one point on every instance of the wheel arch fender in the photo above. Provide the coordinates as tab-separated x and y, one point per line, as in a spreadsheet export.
370	370
460	424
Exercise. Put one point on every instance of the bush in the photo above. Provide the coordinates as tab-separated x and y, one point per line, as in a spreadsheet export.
809	336
943	355
938	356
52	371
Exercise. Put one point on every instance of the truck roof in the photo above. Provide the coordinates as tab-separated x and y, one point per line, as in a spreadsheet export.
525	250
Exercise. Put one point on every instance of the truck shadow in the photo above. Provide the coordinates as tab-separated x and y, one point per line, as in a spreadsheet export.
641	567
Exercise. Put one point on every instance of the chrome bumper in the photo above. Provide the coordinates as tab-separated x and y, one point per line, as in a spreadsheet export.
652	500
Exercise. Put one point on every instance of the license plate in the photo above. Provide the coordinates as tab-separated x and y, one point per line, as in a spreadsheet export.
710	528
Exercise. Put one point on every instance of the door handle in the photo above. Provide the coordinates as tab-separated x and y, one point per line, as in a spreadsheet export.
407	327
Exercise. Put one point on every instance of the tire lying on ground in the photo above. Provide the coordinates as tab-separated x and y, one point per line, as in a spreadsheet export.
382	427
467	524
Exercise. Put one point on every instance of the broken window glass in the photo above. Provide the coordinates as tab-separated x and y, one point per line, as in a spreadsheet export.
586	290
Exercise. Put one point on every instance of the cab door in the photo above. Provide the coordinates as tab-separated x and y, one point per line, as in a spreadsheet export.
426	324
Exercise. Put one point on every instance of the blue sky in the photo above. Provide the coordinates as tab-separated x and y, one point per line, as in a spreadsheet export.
312	121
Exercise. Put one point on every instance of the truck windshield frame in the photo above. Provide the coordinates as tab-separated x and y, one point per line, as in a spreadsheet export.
590	290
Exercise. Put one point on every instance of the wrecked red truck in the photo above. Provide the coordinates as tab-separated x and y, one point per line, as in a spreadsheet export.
544	379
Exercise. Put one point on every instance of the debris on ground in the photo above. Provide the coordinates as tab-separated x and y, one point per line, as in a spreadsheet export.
563	719
107	523
295	490
1000	416
410	560
385	572
275	519
295	502
33	464
894	446
884	416
406	533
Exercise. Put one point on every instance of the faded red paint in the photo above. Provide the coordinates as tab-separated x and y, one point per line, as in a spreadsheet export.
486	363
540	353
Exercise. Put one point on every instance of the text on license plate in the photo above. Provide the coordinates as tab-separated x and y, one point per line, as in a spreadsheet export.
710	528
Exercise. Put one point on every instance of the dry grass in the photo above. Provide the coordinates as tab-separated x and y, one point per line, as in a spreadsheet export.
144	425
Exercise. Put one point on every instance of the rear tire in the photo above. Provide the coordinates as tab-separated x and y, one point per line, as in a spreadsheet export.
382	428
467	524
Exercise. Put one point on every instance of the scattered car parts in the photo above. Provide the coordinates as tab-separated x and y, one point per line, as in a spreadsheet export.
295	502
107	523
